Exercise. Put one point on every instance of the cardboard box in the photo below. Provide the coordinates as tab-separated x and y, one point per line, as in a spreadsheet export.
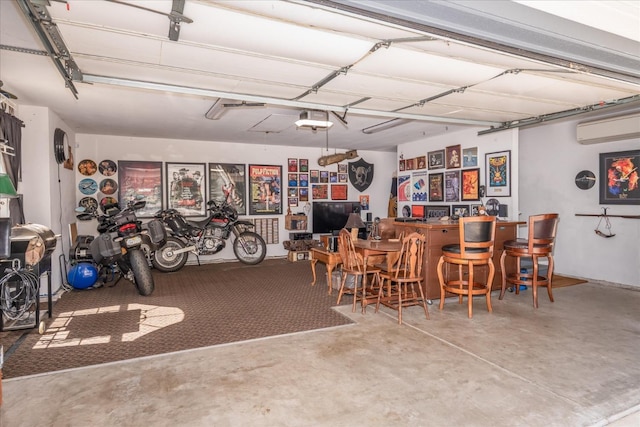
298	256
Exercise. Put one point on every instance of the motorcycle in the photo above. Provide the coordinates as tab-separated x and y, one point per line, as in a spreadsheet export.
207	237
118	249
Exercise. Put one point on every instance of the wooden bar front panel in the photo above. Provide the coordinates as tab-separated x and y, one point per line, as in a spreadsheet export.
440	233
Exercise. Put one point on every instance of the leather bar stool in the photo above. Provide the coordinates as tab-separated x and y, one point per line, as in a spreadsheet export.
477	238
539	243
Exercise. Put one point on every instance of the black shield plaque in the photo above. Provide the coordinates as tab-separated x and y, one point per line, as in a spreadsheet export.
360	174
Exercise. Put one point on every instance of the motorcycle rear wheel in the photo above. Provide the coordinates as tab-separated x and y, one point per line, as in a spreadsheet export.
165	260
141	272
256	248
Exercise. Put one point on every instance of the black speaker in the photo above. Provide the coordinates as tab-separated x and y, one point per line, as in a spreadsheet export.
503	211
369	217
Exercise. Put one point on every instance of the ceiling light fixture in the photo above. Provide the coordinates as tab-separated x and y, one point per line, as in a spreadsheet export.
314	120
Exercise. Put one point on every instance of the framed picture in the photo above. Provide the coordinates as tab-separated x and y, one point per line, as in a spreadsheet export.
303	194
265	192
437	211
293	201
401	165
436	187
314	176
498	169
343	177
293	165
404	188
304	180
304	165
231	178
419	192
320	191
293	180
186	188
619	178
453	156
452	186
422	162
339	191
141	179
409	164
342	168
436	159
470	157
418	211
292	192
460	210
475	210
333	177
324	177
470	184
364	202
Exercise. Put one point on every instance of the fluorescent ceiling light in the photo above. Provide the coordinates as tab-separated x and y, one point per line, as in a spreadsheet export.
314	120
216	110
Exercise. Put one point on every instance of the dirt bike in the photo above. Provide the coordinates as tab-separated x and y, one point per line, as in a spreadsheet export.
117	250
207	237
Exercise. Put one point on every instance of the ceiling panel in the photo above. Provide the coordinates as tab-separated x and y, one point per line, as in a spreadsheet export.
276	51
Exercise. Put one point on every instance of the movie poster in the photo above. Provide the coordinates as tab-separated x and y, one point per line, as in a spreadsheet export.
265	182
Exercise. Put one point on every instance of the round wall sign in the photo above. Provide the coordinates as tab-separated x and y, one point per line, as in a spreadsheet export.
585	180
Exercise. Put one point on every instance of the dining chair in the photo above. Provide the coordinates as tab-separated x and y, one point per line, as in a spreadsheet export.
398	287
539	243
477	238
353	266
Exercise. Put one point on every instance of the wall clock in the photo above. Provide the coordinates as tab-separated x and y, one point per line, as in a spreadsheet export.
585	180
493	207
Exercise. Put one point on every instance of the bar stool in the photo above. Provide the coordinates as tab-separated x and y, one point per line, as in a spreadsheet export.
477	237
540	241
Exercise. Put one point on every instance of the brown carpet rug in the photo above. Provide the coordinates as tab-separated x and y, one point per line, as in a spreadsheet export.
196	307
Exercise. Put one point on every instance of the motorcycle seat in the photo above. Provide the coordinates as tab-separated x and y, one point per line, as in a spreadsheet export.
199	224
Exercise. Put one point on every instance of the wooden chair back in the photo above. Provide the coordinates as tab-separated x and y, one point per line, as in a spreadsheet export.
542	232
351	260
410	262
477	237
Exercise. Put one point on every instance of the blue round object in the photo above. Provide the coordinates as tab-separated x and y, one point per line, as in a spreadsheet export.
82	275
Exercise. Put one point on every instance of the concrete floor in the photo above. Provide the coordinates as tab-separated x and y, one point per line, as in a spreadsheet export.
574	362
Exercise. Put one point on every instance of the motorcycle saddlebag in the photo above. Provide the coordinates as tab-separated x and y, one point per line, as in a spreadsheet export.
157	233
104	250
177	223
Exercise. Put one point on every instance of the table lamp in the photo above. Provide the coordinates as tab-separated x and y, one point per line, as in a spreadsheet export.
354	222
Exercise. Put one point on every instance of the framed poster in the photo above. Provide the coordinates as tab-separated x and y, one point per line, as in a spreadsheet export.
186	188
314	176
437	211
470	157
293	180
140	178
304	194
231	178
470	184
436	187
364	202
293	165
404	188
401	165
320	191
460	210
453	157
436	159
619	178
452	186
475	210
342	168
422	162
498	169
265	185
419	192
304	180
339	191
304	165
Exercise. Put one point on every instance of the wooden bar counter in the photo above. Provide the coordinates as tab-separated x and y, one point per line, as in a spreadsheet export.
439	233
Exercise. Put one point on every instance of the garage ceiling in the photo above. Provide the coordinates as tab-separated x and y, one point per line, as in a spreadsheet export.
385	72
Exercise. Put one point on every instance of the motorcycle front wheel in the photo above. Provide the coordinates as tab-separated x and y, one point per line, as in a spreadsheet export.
141	272
165	260
250	248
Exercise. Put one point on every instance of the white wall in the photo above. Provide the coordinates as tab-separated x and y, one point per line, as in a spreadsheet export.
550	158
101	147
468	138
48	188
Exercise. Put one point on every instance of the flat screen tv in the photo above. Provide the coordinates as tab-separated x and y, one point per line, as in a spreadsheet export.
331	217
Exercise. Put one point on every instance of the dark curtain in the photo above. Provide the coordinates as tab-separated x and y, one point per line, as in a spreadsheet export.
11	135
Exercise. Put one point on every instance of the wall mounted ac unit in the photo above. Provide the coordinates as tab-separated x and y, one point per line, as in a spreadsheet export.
611	129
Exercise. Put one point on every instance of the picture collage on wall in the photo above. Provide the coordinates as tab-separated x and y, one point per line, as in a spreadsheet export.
450	176
305	185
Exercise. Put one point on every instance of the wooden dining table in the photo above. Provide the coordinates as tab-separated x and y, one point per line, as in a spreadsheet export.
375	252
